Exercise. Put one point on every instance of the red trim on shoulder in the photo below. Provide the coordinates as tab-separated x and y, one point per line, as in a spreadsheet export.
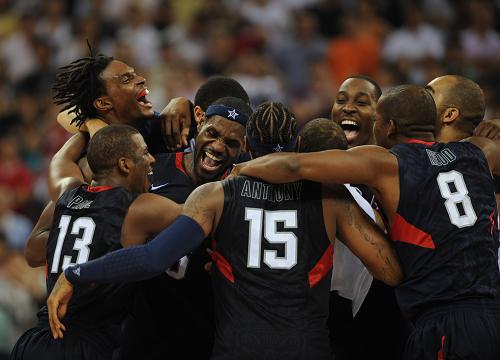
322	267
403	231
97	188
179	157
417	141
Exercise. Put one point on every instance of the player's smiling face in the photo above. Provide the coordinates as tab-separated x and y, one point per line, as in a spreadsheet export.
218	146
354	110
143	166
127	92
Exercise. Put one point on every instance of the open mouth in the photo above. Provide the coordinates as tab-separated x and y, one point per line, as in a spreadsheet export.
210	161
142	100
351	129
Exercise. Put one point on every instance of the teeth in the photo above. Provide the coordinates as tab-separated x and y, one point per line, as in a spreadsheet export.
150	172
213	157
349	122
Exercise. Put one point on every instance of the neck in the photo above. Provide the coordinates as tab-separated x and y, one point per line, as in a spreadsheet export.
447	134
424	136
109	181
188	163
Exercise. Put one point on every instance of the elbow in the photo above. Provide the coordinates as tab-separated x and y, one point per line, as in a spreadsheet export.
392	276
32	259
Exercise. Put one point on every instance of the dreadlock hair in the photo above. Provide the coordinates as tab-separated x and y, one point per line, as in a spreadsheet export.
378	90
322	134
217	87
411	107
108	145
78	84
272	123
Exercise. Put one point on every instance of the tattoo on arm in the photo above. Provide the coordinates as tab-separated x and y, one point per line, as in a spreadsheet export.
197	207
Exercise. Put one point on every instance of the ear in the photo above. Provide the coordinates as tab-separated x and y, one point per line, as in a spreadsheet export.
198	114
450	115
297	145
103	103
392	129
125	165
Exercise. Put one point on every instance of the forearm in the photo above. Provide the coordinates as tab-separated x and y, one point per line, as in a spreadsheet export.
64	165
274	168
141	262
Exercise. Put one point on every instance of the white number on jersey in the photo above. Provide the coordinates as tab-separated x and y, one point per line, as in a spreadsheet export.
271	218
458	196
81	244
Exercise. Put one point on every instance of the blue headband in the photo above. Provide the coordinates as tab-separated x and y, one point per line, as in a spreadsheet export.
226	112
260	148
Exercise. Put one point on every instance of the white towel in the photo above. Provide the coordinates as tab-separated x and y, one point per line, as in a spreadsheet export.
350	278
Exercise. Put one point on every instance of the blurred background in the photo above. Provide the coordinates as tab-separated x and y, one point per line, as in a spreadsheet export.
294	51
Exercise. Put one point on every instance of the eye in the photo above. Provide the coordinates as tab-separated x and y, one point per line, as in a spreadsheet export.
340	101
211	132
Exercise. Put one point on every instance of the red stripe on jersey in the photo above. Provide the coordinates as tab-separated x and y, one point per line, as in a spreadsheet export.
492	220
97	188
440	352
322	267
417	141
178	162
223	265
403	231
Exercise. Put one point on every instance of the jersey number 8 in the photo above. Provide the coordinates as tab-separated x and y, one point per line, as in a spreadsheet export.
454	198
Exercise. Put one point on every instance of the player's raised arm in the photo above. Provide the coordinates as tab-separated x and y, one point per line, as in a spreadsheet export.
35	248
363	164
491	150
201	210
365	239
64	172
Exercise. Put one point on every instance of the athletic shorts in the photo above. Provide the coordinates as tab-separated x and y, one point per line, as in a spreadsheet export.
463	330
38	344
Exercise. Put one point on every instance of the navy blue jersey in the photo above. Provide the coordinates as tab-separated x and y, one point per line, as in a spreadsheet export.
272	272
170	178
87	225
444	229
174	312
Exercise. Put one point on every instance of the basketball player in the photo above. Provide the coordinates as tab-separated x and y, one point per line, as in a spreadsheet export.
87	224
440	205
378	328
272	253
183	296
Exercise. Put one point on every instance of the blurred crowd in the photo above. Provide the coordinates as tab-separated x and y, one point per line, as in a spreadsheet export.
294	51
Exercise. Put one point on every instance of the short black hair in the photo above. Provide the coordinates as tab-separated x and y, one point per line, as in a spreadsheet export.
468	98
238	104
78	84
322	134
378	90
217	87
108	145
272	123
411	107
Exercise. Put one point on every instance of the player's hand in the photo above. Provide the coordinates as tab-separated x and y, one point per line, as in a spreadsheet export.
489	129
175	123
57	304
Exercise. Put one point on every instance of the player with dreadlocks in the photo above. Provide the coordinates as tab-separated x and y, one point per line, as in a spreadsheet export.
272	254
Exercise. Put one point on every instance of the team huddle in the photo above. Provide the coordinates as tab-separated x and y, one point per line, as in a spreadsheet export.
221	241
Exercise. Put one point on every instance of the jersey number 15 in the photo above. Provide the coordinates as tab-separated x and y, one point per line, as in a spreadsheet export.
259	217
